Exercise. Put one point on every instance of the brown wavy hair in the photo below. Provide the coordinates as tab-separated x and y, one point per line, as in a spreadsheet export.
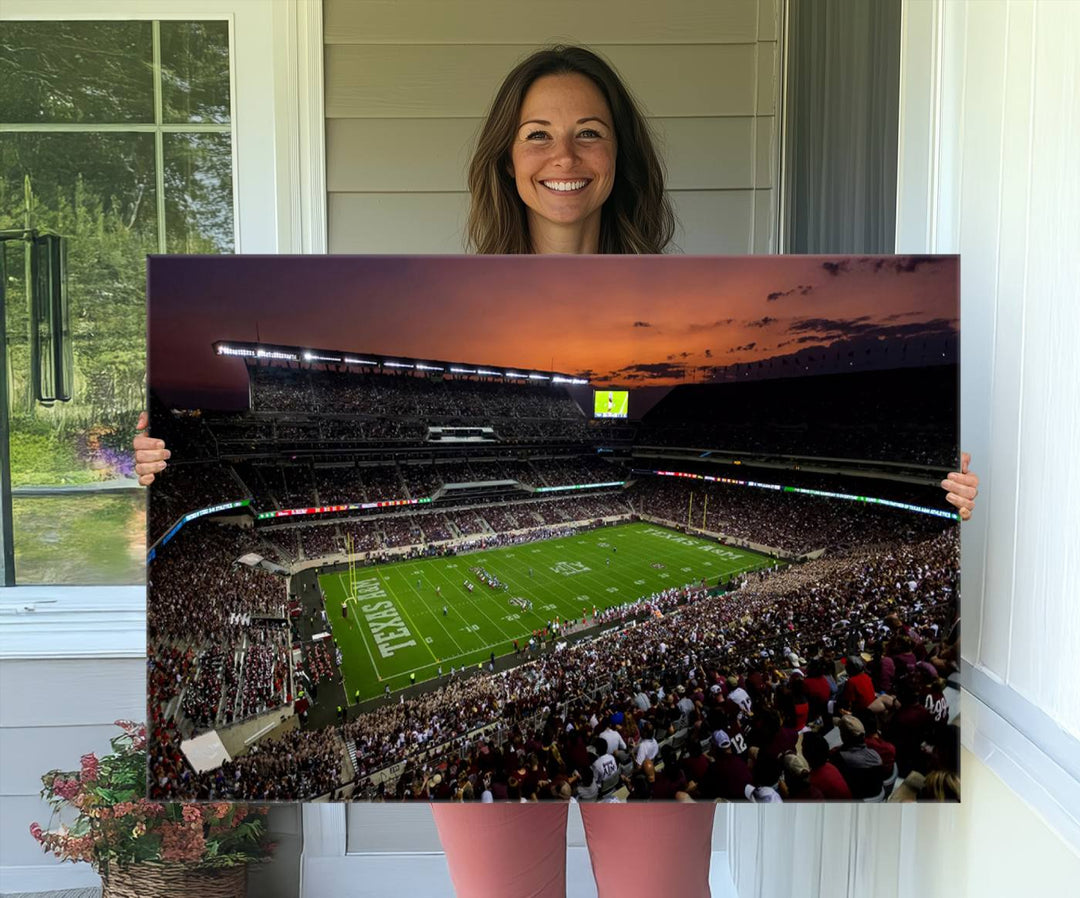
636	218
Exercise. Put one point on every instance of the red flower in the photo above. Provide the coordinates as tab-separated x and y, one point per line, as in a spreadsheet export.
66	789
37	832
192	814
181	842
89	768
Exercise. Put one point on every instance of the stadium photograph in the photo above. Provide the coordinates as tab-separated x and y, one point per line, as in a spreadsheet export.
464	529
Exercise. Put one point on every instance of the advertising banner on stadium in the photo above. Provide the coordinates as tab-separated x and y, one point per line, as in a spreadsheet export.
688	537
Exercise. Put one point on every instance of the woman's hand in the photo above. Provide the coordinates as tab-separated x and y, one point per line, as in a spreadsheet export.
962	488
150	454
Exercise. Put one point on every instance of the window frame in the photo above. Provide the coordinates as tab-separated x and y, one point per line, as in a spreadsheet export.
276	94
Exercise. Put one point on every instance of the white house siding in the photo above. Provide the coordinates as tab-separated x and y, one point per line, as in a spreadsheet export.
408	83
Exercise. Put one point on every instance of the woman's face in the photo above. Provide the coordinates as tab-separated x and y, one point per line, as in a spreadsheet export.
563	154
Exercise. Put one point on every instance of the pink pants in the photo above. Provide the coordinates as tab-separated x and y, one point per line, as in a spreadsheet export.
519	850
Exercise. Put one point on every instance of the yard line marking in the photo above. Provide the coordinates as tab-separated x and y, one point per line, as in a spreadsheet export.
363	638
423	574
427	607
480	608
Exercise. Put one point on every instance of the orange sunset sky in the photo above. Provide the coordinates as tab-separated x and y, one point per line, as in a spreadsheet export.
630	321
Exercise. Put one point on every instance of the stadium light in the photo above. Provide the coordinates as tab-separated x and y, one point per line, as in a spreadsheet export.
491	373
229	350
349	361
396	365
429	368
538	377
464	371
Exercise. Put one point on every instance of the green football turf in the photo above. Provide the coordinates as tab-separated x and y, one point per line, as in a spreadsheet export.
395	624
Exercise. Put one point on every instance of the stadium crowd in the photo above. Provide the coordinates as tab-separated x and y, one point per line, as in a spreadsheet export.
728	683
870	415
792	523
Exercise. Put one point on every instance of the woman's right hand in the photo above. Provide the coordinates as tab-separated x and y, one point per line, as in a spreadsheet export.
150	454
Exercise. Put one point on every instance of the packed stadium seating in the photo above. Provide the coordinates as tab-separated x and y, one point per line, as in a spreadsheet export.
665	679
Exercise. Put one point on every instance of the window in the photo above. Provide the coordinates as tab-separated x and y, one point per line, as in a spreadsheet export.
118	136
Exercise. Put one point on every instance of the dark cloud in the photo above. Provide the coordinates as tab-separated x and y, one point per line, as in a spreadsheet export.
649	371
642	324
698	328
831	325
761	322
708	353
801	289
909	264
745	348
898	264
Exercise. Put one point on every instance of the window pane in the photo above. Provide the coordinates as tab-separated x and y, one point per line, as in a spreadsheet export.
74	520
195	71
98	191
81	540
198	193
76	72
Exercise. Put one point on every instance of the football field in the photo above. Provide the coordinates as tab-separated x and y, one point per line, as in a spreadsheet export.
411	617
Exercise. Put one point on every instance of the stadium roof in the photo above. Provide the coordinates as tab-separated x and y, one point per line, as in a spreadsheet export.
305	355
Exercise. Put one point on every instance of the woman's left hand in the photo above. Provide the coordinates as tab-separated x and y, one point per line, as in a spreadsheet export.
962	487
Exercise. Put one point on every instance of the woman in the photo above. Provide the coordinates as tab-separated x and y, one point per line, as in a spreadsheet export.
565	164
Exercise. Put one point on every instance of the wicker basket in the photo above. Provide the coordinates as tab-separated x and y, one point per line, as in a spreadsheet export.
174	881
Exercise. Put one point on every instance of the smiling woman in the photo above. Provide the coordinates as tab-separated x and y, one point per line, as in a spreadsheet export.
565	163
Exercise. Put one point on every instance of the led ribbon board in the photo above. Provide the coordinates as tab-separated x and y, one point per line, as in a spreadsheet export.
918	509
579	486
191	516
330	509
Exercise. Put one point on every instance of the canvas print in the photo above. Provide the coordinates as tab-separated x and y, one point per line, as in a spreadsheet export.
592	528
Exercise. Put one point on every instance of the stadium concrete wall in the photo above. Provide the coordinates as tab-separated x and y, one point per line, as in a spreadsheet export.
408	84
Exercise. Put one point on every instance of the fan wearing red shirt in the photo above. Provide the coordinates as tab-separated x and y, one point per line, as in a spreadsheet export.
859	691
824	776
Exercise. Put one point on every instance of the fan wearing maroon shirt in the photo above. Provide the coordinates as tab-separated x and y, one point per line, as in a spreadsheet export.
873	740
859	690
910	726
671	779
823	774
818	690
797	785
695	763
800	702
728	775
882	671
902	655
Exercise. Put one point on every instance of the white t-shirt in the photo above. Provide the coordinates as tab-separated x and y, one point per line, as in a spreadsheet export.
741	698
614	740
588	793
603	767
647	750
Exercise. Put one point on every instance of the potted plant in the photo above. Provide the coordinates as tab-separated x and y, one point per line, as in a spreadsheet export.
146	848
